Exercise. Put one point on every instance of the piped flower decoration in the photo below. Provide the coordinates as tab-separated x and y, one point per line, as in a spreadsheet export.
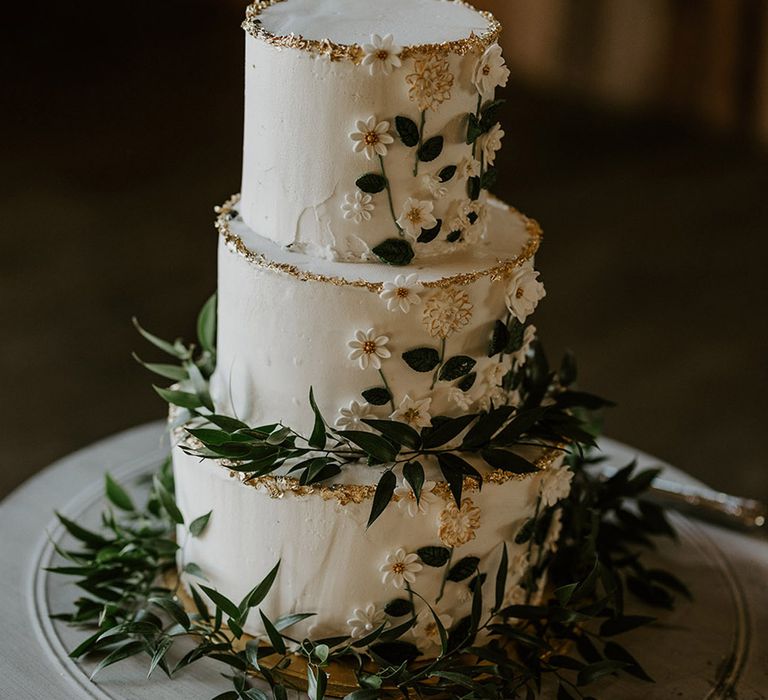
365	620
491	71
426	631
555	485
459	525
369	349
382	54
469	167
372	137
416	215
460	398
401	293
414	412
524	292
447	312
400	568
520	356
407	498
492	143
435	186
358	207
431	82
352	418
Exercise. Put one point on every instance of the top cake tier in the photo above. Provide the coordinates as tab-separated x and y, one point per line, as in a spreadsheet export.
370	127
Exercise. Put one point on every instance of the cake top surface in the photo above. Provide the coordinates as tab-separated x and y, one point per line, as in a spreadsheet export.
349	22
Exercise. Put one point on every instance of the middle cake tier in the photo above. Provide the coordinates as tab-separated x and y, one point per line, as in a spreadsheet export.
372	341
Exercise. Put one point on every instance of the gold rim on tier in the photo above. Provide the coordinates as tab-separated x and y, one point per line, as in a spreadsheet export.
354	52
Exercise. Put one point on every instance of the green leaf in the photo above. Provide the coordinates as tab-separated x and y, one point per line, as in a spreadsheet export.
490	114
463	569
468	382
599	669
519	425
422	359
226	423
473	129
447	173
568	369
173	372
487	427
373	445
473	188
194	570
435	557
168	502
413	473
319	469
222	602
182	399
431	149
385	489
318	437
260	591
452	468
198	525
200	605
158	658
447	431
372	183
117	495
206	325
616	652
501	578
508	461
525	533
394	251
173	609
399	607
316	684
124	651
400	433
378	396
395	653
174	349
275	637
428	235
286	621
408	131
489	179
456	367
499	339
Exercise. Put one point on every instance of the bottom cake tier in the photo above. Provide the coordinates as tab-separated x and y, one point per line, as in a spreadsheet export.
353	578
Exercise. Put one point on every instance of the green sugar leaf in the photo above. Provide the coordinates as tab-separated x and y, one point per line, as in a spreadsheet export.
463	569
394	251
457	367
429	235
372	183
447	173
198	525
377	396
422	359
431	149
435	557
408	131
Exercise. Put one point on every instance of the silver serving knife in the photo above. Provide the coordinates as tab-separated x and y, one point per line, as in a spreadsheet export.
744	514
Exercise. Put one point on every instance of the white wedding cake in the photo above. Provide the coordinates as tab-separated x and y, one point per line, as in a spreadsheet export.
364	260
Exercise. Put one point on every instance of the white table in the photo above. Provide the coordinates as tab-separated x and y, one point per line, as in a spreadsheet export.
715	647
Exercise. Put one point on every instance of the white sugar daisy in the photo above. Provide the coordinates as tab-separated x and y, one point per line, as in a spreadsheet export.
401	293
358	207
435	186
372	137
369	349
407	498
400	568
426	631
491	143
382	54
365	620
352	418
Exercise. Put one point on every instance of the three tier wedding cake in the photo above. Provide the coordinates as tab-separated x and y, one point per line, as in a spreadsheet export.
373	333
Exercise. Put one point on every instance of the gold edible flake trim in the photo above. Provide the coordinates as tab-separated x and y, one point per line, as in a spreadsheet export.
474	43
502	270
344	494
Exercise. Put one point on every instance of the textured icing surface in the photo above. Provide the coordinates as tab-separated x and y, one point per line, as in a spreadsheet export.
353	21
279	335
330	562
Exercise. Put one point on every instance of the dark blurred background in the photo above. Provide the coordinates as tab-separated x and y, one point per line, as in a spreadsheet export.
636	134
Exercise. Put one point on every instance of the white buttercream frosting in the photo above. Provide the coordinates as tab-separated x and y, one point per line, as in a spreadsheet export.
411	22
300	166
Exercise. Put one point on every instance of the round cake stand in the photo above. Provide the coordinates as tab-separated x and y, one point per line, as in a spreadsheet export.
714	647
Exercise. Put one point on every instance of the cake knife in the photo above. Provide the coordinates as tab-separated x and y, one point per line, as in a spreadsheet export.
743	514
